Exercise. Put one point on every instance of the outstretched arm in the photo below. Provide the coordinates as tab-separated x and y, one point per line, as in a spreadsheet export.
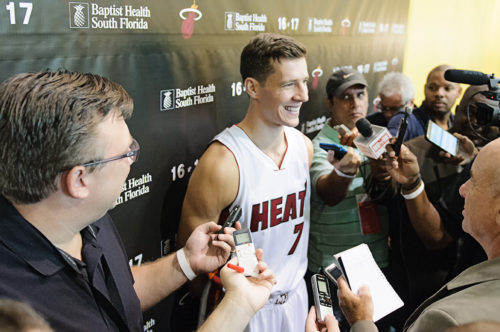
423	215
333	187
205	250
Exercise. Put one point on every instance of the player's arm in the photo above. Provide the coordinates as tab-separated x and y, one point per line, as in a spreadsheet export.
213	186
310	149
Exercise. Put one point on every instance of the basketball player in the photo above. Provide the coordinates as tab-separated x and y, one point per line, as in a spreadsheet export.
262	164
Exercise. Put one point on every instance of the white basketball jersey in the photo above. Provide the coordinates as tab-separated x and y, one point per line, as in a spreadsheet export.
275	202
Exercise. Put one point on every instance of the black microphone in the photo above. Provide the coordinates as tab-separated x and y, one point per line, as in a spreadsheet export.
402	131
364	127
466	76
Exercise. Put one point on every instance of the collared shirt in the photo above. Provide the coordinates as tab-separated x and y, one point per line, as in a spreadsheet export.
95	294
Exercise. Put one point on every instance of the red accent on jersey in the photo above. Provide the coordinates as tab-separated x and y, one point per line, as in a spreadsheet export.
290	208
259	215
276	211
276	214
298	229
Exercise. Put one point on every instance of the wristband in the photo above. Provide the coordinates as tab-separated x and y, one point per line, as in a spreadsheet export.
342	174
414	194
184	264
414	184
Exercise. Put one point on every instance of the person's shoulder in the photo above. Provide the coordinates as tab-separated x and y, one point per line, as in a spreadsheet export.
396	119
217	165
218	152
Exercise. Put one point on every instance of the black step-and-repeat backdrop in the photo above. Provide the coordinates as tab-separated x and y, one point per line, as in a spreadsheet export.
179	60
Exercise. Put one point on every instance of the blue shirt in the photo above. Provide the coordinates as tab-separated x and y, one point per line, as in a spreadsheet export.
417	122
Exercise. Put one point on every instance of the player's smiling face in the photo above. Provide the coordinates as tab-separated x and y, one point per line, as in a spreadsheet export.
282	94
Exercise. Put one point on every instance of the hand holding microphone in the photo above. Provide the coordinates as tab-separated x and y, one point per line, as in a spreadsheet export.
402	130
403	168
372	140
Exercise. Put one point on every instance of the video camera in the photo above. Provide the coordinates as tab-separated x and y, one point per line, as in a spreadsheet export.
486	115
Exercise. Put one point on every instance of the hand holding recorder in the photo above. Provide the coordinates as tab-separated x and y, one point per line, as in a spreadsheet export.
355	307
312	325
345	160
253	292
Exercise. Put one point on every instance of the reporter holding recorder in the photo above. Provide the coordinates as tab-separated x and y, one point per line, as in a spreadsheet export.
65	152
474	295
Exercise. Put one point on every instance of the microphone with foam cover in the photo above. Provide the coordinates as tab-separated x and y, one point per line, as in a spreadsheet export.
372	140
466	76
364	127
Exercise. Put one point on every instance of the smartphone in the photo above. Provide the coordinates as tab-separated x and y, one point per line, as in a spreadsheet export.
342	129
322	297
340	151
442	138
245	251
234	216
333	272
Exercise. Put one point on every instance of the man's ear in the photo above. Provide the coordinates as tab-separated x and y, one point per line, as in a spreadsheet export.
328	102
252	87
74	182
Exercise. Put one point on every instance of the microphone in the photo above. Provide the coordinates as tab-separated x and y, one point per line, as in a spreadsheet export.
466	76
372	140
402	130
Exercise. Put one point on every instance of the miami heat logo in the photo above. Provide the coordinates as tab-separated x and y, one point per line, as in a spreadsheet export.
193	14
316	74
345	24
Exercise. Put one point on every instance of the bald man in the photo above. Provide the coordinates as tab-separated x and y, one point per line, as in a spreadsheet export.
474	295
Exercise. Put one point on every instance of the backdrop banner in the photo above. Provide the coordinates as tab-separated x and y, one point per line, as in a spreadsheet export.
179	60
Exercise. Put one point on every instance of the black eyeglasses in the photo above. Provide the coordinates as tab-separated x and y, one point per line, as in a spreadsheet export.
391	109
133	154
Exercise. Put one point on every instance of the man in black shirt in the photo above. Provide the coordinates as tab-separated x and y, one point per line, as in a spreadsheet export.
65	153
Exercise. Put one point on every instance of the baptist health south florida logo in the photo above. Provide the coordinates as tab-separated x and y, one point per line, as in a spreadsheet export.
78	15
167	99
234	21
179	98
90	15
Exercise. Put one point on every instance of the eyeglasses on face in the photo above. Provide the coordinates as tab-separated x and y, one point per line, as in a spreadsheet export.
132	154
391	109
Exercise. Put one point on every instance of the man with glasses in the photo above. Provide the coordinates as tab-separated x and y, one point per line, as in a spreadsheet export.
65	153
440	96
396	92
